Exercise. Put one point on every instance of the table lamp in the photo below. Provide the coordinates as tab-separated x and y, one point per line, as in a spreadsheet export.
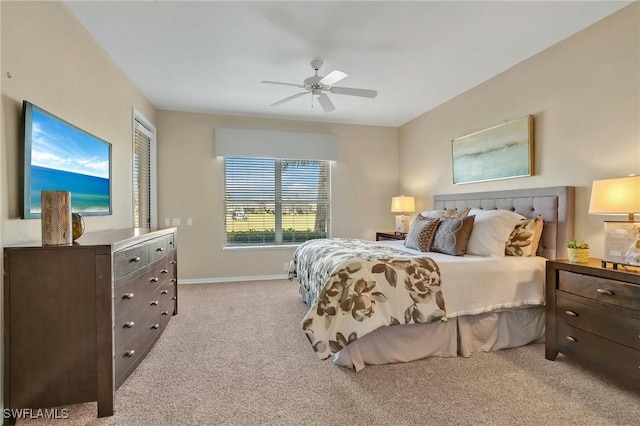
619	196
402	204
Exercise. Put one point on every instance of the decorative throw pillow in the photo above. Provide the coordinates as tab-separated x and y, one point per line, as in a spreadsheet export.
525	237
421	234
491	231
433	214
458	214
452	235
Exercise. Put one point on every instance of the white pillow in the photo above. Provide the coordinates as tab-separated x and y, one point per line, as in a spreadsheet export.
491	230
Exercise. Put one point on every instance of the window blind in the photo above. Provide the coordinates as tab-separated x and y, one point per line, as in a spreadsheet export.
276	201
141	176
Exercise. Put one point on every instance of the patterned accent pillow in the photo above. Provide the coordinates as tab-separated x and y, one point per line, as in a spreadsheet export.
452	235
457	214
525	238
421	234
434	214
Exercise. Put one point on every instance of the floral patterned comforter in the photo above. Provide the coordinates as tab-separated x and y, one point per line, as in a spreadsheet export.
354	287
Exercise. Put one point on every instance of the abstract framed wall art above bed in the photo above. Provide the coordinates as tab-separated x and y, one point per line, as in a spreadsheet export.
499	152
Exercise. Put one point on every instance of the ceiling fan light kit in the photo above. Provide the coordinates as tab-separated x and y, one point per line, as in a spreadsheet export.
317	85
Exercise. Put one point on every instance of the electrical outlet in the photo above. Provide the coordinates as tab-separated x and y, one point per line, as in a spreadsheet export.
189	221
285	266
167	222
175	221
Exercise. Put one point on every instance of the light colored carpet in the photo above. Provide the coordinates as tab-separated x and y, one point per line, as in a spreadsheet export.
236	355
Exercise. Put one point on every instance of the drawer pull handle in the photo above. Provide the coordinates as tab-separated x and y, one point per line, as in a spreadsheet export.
173	280
129	324
155	326
129	353
160	249
154	303
165	313
173	262
570	338
604	291
164	292
164	271
128	296
154	279
174	298
136	259
571	313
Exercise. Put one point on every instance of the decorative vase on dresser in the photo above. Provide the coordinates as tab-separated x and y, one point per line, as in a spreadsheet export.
593	316
78	319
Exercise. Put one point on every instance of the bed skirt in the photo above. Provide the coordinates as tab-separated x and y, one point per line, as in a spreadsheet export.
458	336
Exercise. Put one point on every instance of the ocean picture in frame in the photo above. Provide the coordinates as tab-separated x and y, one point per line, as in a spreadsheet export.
59	156
500	152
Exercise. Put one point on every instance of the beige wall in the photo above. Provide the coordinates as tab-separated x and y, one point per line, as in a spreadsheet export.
191	185
56	64
585	95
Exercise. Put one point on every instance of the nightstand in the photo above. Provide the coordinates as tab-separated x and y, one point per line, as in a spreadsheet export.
383	236
593	316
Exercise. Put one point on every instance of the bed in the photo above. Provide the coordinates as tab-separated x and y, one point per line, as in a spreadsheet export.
491	302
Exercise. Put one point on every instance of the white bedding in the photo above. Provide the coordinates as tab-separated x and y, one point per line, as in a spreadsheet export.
493	303
475	284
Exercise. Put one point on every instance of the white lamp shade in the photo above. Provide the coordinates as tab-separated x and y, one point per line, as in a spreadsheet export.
615	196
403	204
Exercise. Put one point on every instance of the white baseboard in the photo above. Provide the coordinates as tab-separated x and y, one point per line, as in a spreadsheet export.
231	279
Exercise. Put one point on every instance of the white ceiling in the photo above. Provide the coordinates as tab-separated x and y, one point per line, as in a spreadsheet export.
210	56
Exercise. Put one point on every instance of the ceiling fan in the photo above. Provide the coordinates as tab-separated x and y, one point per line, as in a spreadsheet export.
317	85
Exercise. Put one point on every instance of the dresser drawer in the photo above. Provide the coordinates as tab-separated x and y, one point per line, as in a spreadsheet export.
145	314
158	248
129	354
613	357
131	292
586	315
130	260
609	291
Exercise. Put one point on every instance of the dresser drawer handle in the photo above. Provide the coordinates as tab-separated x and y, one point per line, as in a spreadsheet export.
174	298
164	292
604	291
154	303
128	296
154	280
129	353
165	313
571	313
155	326
173	262
136	259
129	324
173	280
164	271
570	338
160	249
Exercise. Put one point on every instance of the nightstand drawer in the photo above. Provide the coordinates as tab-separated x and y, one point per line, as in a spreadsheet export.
609	291
586	315
619	359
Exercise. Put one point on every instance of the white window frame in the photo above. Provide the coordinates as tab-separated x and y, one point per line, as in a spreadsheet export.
144	125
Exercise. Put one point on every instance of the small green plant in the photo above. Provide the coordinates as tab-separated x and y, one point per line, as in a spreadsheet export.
577	244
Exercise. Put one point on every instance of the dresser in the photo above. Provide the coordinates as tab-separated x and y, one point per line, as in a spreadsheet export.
593	316
79	319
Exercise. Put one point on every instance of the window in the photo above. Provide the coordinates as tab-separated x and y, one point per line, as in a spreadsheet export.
276	201
144	204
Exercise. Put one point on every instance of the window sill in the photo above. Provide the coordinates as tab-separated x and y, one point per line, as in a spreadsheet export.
261	247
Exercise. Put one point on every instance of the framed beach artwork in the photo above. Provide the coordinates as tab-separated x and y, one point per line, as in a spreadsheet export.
500	152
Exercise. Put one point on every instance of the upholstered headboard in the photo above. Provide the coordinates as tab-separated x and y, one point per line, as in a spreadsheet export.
555	204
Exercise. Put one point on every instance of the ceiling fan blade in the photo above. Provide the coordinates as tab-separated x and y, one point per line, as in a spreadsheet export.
284	84
288	99
326	103
354	92
333	77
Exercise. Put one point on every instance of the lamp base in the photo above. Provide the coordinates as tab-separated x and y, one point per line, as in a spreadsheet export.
402	224
620	242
